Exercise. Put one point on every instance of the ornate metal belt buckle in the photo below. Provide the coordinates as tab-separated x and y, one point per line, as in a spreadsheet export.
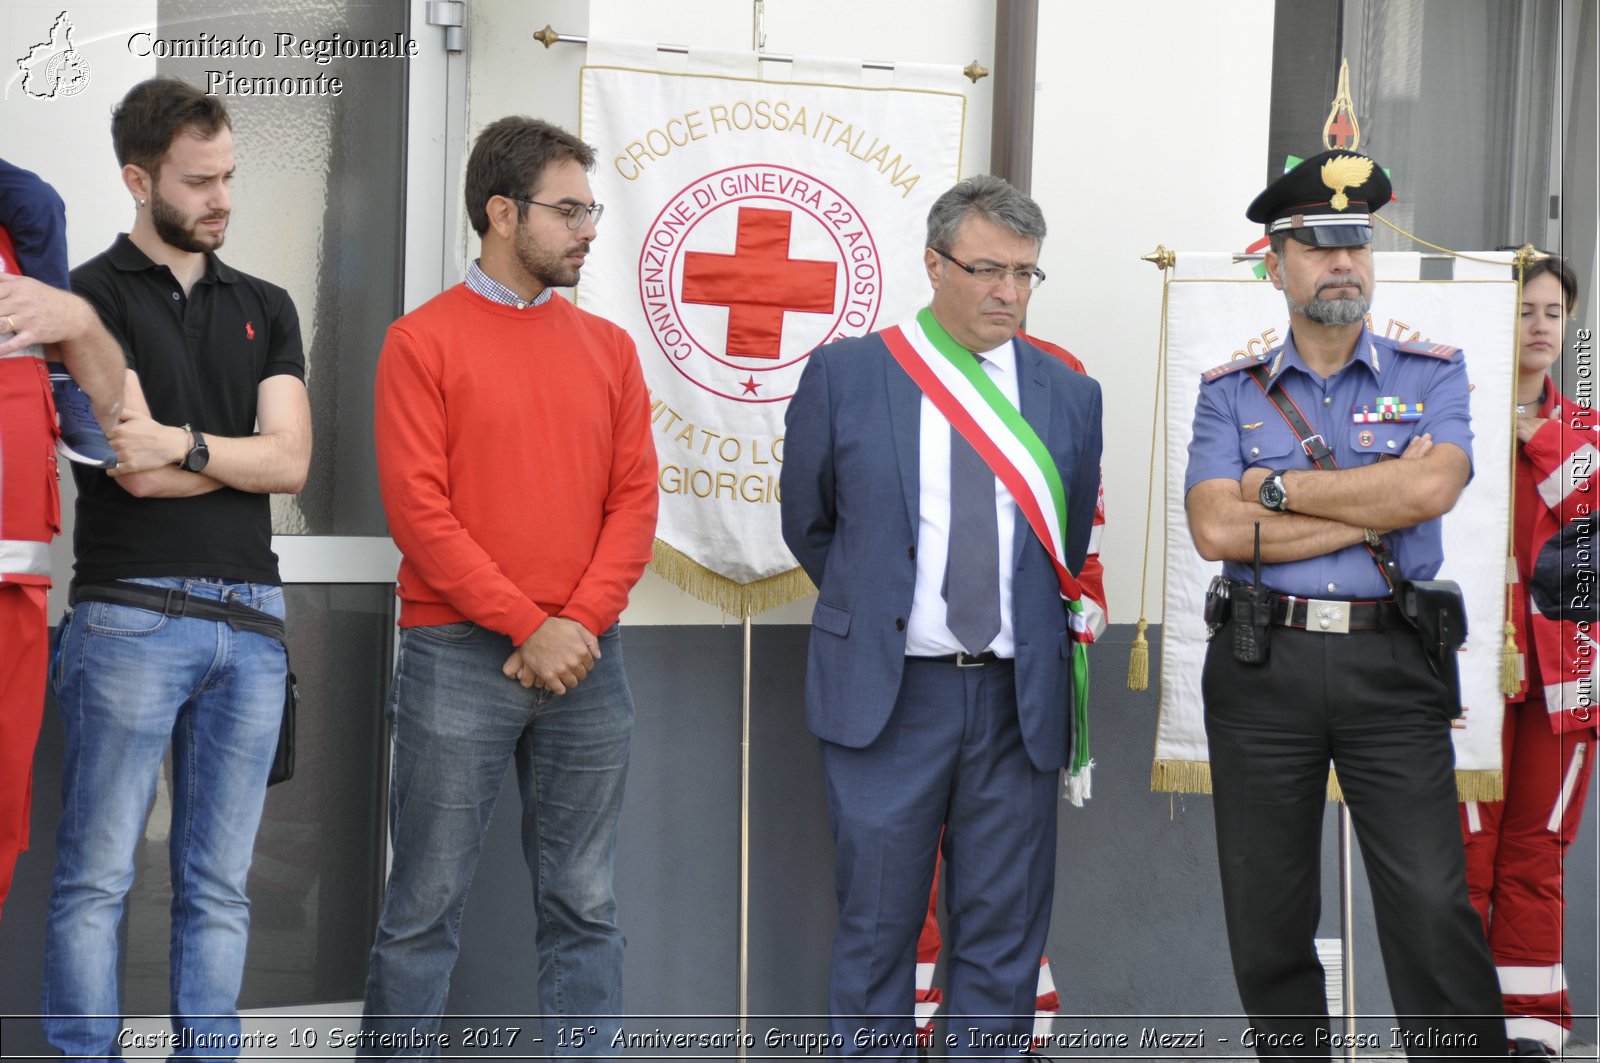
1331	617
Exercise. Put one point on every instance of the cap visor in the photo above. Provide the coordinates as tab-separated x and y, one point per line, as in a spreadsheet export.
1333	235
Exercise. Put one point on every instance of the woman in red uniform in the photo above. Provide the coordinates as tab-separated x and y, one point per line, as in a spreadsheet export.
1515	847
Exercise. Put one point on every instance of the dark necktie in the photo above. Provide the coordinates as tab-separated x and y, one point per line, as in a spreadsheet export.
971	575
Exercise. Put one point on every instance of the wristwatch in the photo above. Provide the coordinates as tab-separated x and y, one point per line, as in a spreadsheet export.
198	454
1273	495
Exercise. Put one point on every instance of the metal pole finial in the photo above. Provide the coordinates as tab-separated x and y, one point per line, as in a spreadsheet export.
1161	257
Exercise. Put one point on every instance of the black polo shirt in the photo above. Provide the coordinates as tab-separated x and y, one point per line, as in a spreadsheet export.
200	360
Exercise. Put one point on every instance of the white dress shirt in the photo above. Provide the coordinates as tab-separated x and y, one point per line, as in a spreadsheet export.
927	635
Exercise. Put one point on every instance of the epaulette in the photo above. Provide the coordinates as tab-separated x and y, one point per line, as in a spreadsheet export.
1442	351
1230	366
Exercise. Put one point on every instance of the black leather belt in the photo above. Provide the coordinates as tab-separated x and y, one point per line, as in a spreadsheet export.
1333	614
965	660
172	602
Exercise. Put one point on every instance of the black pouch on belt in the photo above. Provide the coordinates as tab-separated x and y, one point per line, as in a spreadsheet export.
1437	609
1217	605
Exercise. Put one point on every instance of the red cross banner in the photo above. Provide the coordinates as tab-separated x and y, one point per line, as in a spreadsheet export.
749	221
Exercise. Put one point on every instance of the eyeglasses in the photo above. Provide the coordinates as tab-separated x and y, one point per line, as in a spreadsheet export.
991	276
575	213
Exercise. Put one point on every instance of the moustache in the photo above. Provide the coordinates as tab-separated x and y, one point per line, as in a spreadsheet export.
1351	283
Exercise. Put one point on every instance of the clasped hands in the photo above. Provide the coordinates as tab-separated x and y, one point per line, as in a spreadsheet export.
556	657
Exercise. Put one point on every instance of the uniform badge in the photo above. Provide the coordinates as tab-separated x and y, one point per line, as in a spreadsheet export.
1345	171
1365	438
1386	409
1252	426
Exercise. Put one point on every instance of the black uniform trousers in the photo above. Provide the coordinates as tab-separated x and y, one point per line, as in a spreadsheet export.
1368	702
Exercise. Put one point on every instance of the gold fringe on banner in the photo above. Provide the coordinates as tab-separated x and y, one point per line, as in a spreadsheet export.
1194	777
736	599
1180	777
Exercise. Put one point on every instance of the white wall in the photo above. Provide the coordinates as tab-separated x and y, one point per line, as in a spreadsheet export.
67	140
1151	128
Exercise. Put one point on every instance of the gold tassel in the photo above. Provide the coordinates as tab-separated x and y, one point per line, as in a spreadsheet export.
1139	660
1509	681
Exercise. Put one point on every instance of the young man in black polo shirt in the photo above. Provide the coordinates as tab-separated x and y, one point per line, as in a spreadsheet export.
215	419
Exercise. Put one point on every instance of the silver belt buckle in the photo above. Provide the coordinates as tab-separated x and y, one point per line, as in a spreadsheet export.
967	660
1331	617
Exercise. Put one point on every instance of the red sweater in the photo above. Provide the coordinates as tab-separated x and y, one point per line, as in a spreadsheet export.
516	463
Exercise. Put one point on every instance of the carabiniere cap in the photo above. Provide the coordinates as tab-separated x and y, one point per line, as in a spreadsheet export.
1326	201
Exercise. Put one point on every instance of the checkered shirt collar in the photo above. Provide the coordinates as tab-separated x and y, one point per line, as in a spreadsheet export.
495	292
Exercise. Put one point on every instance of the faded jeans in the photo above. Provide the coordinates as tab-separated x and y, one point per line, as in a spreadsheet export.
129	681
458	723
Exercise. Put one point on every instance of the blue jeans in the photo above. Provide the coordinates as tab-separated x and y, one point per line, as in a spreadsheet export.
458	722
129	681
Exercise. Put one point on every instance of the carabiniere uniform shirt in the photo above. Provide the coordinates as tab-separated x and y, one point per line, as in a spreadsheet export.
200	360
1236	427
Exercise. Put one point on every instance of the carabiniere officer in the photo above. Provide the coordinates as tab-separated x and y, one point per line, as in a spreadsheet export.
1334	671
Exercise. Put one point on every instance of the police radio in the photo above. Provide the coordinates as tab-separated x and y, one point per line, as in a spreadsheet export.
1252	616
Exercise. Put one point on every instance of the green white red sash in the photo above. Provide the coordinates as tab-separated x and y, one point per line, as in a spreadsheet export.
950	376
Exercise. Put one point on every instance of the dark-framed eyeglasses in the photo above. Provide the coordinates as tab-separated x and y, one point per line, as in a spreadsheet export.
991	276
575	213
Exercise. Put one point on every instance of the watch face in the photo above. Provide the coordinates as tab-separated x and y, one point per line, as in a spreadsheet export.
1272	494
197	458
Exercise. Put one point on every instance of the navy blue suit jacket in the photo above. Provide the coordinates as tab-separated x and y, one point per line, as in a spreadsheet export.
850	490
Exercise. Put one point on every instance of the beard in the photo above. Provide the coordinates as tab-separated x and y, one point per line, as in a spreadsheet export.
547	267
1333	312
179	231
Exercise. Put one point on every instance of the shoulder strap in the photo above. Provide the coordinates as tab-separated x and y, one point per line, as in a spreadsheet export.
1321	456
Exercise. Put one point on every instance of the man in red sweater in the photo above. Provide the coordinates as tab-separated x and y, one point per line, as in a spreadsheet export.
519	479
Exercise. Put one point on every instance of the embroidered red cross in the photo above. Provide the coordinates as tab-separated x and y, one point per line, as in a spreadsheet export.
758	282
1341	128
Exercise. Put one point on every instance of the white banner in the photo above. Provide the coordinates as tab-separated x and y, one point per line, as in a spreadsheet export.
1223	314
757	220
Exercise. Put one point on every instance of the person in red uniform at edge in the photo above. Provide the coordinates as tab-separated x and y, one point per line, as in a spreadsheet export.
37	316
929	996
1515	847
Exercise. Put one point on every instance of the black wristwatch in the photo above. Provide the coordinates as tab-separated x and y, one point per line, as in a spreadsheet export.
1273	495
198	454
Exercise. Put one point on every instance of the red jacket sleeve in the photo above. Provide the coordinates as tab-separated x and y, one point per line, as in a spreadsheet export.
1564	453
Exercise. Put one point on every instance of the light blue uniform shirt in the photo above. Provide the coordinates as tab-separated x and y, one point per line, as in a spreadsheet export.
1236	427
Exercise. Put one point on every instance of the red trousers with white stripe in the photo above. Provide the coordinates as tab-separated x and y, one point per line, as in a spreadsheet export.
1515	850
22	640
929	996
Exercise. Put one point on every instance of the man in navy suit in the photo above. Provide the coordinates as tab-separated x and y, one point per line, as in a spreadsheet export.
939	487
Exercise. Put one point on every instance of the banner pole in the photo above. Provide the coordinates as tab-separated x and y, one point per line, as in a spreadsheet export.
744	844
1347	934
758	41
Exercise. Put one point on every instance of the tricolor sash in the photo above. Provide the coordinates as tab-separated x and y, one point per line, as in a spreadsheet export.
950	376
